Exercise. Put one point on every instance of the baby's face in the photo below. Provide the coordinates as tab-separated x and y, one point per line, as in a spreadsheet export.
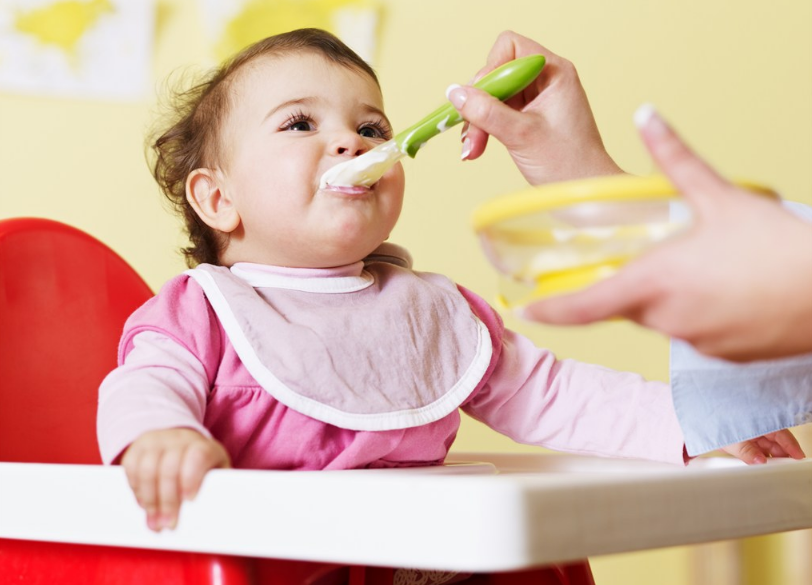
292	118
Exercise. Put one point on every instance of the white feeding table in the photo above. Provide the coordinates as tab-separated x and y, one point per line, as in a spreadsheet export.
481	512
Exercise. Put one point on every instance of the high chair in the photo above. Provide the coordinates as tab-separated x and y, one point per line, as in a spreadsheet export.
64	298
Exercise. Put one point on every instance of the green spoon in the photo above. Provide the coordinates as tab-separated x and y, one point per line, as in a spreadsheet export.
503	83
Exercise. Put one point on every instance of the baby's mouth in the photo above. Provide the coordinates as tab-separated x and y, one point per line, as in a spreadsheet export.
349	190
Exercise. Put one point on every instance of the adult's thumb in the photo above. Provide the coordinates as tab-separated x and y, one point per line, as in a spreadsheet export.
691	175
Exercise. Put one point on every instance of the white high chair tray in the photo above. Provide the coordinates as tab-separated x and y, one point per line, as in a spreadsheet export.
508	512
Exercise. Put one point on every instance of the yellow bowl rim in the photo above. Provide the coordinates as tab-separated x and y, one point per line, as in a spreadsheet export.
620	187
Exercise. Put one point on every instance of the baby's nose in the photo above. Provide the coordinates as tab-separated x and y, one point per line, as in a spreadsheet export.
349	144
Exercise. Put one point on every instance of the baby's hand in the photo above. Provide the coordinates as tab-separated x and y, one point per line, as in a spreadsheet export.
777	444
166	467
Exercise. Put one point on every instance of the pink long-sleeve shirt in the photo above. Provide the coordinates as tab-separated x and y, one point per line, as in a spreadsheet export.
179	368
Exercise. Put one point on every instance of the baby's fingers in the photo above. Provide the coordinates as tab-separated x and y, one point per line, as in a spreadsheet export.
169	489
130	461
142	473
198	459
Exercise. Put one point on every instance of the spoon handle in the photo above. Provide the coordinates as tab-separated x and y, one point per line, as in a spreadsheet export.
502	83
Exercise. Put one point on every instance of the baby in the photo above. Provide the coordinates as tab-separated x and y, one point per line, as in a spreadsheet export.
301	340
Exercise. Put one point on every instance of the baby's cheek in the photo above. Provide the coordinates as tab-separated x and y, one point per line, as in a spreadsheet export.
398	176
395	184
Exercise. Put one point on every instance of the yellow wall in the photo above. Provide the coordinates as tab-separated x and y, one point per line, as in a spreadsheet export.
732	75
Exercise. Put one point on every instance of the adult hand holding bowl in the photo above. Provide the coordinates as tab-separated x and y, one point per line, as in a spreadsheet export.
564	236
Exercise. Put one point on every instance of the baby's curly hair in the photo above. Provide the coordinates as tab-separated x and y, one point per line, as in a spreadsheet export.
190	139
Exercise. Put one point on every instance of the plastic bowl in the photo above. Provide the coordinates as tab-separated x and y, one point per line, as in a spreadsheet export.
562	237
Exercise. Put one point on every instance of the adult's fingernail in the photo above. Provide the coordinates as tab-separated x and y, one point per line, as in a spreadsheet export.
759	459
456	95
466	149
451	88
646	116
643	114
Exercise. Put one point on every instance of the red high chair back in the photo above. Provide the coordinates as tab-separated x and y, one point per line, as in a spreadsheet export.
64	297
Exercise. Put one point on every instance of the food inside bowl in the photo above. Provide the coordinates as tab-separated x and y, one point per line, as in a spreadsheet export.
561	237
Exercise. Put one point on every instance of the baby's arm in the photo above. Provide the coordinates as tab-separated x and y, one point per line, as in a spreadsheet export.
570	406
150	419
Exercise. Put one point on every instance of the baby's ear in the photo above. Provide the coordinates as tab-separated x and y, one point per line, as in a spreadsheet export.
211	203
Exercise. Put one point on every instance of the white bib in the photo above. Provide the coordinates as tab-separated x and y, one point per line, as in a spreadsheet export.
387	349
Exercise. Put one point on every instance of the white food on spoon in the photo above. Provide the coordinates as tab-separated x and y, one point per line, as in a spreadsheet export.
364	170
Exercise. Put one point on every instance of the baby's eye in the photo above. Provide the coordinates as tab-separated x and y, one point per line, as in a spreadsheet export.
376	130
298	122
300	126
369	132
